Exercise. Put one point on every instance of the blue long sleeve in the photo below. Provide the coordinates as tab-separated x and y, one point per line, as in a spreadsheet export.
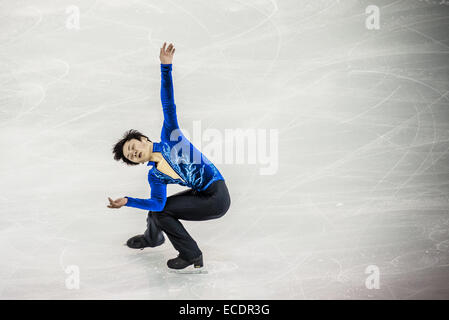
158	189
168	102
156	202
195	170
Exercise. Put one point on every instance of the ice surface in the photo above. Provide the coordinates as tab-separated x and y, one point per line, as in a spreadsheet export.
363	124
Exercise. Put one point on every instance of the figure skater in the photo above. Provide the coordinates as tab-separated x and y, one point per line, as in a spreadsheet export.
173	160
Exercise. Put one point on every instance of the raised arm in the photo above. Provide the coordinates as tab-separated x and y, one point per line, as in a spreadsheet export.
167	97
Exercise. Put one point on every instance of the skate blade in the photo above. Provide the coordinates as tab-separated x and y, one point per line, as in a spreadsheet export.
189	270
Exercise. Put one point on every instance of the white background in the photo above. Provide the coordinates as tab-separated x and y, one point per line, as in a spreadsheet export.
362	117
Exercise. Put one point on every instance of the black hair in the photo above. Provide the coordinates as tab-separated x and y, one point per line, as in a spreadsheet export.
117	149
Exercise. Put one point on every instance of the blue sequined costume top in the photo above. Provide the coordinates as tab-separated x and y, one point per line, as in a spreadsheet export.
196	171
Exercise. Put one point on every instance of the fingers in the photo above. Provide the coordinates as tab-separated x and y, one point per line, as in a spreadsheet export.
169	50
112	204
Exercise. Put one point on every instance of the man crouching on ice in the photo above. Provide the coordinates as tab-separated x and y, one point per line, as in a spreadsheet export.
173	160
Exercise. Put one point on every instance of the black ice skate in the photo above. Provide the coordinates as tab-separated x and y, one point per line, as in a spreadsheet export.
140	242
179	265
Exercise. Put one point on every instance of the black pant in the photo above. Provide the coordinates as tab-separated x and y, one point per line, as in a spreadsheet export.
192	205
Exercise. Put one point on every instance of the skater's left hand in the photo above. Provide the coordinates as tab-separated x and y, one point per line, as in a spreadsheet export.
118	203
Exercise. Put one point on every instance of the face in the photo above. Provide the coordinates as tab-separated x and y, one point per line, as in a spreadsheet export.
136	151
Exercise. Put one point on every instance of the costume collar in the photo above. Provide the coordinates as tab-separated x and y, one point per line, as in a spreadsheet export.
157	147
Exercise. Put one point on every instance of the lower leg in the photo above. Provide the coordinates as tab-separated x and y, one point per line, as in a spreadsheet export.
153	235
178	236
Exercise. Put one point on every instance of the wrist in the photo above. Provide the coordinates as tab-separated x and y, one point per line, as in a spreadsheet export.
166	67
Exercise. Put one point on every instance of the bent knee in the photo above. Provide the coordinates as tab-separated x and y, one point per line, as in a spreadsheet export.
225	204
222	211
161	218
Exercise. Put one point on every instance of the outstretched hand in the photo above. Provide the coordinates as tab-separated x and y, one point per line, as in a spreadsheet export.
118	203
166	54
